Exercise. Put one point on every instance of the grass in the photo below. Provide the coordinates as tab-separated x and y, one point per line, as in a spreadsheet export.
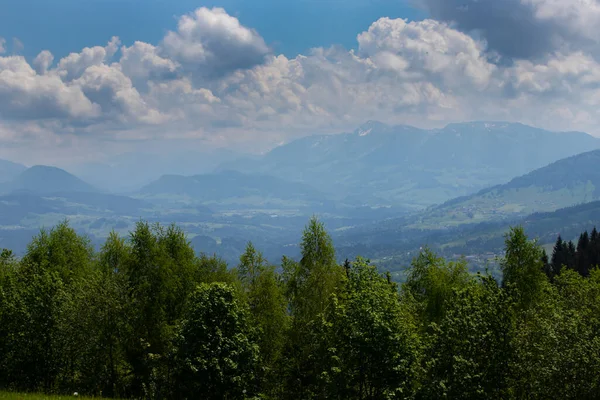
37	396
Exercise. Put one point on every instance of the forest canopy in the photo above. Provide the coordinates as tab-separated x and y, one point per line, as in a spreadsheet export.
146	317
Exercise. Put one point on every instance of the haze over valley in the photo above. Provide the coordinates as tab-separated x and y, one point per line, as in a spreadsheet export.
383	191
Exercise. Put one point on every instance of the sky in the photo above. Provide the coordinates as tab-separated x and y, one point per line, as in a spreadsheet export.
81	81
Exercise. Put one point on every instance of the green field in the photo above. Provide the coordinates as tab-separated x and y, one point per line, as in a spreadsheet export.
37	396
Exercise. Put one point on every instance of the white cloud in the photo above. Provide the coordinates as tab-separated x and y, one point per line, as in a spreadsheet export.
43	61
108	87
141	61
580	18
212	42
427	49
215	79
525	29
25	94
74	65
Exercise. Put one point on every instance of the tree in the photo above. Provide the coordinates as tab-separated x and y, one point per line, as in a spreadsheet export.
557	343
471	350
571	256
159	273
546	266
61	250
264	291
559	256
522	266
375	338
582	261
318	275
432	282
30	303
311	286
216	357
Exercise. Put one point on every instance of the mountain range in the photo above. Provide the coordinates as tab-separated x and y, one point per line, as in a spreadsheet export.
10	170
41	179
381	190
403	165
564	183
232	187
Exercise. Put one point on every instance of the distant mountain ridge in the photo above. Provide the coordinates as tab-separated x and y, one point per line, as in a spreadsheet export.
231	186
10	170
42	179
564	183
563	196
417	167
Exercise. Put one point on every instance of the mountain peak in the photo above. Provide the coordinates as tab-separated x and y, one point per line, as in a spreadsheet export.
370	126
48	179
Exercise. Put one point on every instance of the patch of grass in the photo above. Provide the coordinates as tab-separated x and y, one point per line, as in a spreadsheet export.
38	396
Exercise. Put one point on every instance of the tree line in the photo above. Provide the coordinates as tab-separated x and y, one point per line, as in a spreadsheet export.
581	258
145	317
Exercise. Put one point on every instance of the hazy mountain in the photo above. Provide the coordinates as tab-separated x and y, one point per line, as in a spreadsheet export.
231	187
10	170
45	179
393	247
18	205
415	167
130	171
573	180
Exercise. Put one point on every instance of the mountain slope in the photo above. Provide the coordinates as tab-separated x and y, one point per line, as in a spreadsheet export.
403	165
480	243
42	179
232	187
573	180
130	171
10	170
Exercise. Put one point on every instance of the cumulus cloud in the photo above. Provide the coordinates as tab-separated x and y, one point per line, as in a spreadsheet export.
25	94
216	79
109	88
75	64
524	29
2	45
43	61
212	42
426	50
141	61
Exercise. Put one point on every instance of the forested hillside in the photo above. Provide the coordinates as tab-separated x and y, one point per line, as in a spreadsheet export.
146	318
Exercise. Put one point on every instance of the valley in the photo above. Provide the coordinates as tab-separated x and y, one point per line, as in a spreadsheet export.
383	192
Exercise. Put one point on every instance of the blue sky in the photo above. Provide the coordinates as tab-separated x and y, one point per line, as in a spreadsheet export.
291	27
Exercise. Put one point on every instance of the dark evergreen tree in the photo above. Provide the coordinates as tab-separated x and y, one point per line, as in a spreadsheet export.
547	267
571	255
594	249
559	256
582	255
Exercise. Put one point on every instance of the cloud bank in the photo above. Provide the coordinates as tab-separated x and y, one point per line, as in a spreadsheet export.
534	61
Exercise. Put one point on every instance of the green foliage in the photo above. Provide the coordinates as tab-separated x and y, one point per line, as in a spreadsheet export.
311	284
29	325
375	338
470	350
147	318
432	282
522	266
216	356
60	250
316	276
265	294
557	342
